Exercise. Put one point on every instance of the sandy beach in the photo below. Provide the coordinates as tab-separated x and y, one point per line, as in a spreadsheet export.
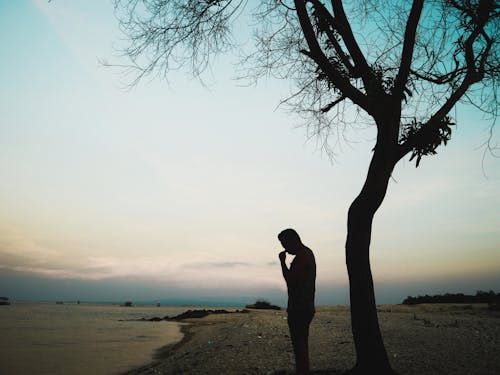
422	339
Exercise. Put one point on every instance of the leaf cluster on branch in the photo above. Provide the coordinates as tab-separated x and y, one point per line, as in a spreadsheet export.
426	142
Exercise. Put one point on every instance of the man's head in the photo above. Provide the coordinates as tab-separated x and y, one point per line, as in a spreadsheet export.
290	241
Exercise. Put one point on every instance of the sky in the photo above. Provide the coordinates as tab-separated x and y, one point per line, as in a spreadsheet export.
175	190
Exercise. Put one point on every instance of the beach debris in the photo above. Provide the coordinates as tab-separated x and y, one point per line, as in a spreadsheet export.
427	322
495	304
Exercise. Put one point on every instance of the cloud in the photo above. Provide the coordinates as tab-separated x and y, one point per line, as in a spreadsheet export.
230	264
204	265
23	253
26	254
15	241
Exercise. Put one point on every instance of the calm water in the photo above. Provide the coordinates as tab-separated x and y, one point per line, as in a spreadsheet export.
46	338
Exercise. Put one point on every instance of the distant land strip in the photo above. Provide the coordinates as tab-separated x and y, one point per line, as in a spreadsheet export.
490	297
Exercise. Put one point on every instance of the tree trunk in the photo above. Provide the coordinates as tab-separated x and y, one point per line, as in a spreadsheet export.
370	351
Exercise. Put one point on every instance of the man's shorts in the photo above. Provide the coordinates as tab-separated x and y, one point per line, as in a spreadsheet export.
298	322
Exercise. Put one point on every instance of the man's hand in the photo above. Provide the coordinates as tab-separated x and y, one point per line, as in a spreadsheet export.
282	256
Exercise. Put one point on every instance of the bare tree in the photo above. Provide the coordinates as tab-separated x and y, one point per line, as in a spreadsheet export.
403	65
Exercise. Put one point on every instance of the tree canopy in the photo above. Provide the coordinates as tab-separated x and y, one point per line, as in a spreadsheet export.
423	57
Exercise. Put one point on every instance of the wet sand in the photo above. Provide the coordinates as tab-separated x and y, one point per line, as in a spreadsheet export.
422	339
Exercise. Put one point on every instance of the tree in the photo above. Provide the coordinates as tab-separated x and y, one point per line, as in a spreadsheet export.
417	61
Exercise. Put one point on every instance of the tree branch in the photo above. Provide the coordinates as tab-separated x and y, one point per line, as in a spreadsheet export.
408	46
473	74
332	104
435	121
317	54
344	28
439	79
330	20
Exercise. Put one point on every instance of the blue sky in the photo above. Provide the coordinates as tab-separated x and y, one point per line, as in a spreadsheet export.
175	189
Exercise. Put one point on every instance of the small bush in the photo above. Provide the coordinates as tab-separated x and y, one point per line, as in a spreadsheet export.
263	305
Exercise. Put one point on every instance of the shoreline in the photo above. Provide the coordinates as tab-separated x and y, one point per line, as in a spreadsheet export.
424	339
164	351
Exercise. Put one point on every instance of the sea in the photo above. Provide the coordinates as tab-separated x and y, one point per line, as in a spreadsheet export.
87	338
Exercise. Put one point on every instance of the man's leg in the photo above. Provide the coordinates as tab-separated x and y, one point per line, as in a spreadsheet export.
302	355
299	332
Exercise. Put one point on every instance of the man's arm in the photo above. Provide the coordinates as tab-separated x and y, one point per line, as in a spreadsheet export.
284	268
297	274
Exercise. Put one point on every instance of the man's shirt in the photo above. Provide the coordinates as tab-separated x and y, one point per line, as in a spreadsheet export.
302	282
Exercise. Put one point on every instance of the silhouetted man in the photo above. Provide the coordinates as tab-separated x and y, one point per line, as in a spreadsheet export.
300	280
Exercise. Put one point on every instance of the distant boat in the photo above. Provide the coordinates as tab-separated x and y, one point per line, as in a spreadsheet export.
59	303
127	304
4	301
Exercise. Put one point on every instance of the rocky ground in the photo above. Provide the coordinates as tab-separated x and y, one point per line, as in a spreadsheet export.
422	339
